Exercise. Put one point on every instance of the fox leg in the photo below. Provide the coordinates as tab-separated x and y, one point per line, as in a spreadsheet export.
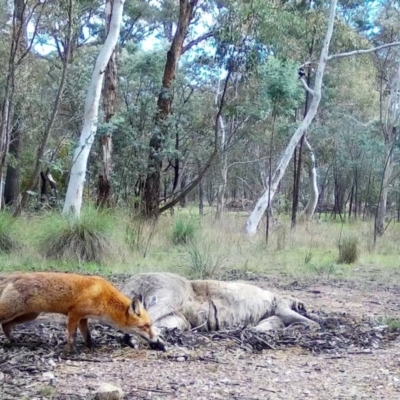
8	326
85	332
72	327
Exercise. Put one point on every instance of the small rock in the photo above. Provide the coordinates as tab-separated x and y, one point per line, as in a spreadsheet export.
1	376
180	359
106	391
52	362
48	375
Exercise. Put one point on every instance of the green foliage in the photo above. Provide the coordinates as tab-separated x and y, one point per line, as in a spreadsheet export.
348	250
184	230
279	81
322	270
88	239
392	322
8	236
202	261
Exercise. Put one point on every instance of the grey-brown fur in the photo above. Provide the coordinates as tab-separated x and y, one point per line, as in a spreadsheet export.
208	305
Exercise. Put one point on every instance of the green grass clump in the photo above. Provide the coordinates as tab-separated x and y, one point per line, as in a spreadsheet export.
8	239
203	263
348	250
392	323
184	230
88	239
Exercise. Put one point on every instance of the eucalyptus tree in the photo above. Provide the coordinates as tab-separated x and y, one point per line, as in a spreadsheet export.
73	199
152	189
265	199
255	217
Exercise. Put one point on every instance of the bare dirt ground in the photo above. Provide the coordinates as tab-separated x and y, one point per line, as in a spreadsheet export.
220	366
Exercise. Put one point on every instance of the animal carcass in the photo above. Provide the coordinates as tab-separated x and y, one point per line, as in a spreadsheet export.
173	301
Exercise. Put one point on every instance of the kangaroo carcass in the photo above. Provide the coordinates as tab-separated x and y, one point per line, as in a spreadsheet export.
173	301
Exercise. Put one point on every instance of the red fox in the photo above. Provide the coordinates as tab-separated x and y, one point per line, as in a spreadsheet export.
23	296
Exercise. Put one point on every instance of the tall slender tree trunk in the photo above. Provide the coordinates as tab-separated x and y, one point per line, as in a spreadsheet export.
152	189
222	187
382	205
13	175
73	199
296	182
104	191
224	172
183	200
312	182
201	197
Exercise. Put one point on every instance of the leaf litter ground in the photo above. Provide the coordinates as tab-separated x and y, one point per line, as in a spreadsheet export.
351	356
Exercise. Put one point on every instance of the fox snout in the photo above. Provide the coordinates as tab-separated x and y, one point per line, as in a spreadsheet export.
148	333
151	335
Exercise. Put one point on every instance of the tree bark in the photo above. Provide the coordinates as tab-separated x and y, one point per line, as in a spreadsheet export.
104	189
151	196
73	200
13	175
312	181
382	204
224	171
222	187
201	193
255	217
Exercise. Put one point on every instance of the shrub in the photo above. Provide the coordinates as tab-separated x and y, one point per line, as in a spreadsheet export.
348	250
88	239
8	240
184	230
202	263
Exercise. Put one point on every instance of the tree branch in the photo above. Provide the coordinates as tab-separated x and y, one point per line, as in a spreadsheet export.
197	41
304	83
362	51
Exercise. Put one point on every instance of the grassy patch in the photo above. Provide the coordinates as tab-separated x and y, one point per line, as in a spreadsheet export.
8	235
202	262
184	230
47	391
114	242
391	322
89	239
348	250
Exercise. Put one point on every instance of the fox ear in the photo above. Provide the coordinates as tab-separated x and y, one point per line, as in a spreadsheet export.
136	306
138	296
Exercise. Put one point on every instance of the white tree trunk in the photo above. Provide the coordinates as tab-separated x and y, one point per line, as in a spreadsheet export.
382	205
312	202
222	187
73	199
391	118
224	161
255	217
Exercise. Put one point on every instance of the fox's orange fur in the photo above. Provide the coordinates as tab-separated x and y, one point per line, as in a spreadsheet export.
23	296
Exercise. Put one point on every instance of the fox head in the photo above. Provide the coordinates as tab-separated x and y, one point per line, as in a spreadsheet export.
139	321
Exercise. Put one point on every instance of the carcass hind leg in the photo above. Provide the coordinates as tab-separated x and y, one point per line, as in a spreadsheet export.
289	317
